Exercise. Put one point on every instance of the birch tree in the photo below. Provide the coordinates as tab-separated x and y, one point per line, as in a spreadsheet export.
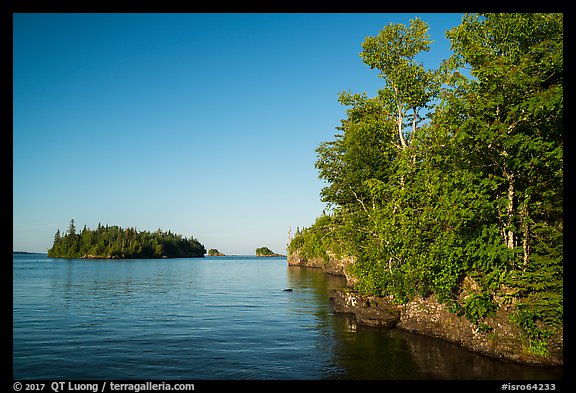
409	87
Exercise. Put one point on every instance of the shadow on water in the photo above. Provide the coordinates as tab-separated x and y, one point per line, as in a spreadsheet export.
362	352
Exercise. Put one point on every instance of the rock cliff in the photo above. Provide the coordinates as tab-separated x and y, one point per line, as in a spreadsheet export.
330	264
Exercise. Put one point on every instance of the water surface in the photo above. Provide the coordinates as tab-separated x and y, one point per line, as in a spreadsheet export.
212	318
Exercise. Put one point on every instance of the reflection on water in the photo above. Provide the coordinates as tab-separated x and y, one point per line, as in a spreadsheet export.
362	352
375	353
213	318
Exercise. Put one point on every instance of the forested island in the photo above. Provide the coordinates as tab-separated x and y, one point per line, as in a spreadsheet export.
445	190
266	252
215	253
114	242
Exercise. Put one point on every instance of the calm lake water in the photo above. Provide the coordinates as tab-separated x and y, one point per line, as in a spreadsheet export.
212	318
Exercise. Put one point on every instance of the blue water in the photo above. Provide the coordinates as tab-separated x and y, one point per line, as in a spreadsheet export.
212	318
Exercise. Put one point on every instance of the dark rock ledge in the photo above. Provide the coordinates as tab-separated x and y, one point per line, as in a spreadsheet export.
431	318
367	310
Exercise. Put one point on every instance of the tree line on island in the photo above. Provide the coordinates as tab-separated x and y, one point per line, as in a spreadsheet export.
114	242
266	252
454	172
118	243
213	252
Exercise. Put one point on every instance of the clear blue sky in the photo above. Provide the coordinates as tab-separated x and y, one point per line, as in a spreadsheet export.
202	124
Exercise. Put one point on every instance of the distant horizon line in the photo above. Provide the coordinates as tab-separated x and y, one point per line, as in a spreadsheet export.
209	256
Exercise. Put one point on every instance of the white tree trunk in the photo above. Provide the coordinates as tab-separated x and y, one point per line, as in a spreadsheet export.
510	236
525	233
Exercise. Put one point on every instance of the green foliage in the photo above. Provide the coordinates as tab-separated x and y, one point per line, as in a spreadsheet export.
309	241
334	234
115	242
441	176
478	306
539	286
264	251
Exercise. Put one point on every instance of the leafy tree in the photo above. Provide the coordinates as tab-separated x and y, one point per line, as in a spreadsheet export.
409	86
512	126
442	176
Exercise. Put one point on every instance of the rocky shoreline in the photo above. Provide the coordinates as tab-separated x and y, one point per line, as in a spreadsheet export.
429	317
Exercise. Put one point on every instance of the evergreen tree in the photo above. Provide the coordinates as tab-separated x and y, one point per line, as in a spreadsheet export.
72	228
115	242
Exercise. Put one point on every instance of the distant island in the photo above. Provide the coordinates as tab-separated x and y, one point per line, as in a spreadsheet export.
114	242
266	252
215	253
